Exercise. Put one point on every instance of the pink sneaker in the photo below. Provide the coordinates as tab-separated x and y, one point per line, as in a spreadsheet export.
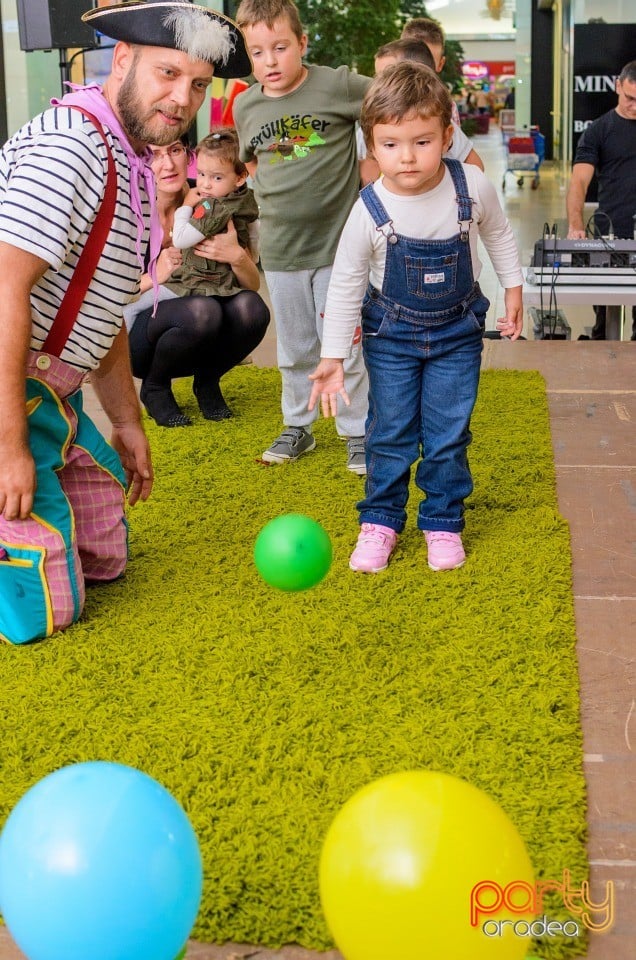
445	550
373	549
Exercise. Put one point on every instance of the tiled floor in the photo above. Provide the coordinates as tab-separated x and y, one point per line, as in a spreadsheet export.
592	399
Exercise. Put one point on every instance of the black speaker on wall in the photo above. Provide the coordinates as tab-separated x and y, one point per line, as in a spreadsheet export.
54	24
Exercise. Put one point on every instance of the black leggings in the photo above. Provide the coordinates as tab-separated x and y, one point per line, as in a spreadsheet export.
203	337
200	336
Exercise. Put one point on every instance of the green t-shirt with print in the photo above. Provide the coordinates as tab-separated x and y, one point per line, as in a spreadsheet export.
307	175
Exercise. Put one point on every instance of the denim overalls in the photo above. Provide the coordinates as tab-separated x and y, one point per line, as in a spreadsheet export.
422	343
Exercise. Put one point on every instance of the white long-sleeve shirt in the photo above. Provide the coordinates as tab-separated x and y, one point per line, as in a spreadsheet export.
185	235
361	252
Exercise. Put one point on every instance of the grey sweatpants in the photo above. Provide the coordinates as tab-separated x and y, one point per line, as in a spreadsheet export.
298	300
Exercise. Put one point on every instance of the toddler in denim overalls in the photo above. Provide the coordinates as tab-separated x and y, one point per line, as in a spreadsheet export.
407	262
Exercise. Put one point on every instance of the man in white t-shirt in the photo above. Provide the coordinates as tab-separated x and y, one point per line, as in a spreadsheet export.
62	487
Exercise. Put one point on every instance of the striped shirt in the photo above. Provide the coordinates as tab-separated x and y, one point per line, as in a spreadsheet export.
52	180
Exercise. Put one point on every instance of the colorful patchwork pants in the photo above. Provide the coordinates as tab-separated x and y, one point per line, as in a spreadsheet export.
76	531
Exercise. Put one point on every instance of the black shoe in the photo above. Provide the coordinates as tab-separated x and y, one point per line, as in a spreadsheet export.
160	403
211	401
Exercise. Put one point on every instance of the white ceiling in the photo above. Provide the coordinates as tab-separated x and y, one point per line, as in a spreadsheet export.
468	18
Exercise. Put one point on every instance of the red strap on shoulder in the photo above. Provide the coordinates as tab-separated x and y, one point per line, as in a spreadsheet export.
89	258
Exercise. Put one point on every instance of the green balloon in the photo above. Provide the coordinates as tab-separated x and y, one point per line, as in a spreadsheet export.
292	552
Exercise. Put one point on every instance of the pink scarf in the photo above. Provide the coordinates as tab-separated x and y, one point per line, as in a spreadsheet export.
91	98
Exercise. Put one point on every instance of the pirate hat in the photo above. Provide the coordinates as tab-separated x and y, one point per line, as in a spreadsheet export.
202	33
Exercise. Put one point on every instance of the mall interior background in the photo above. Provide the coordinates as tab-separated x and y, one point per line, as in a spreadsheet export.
538	40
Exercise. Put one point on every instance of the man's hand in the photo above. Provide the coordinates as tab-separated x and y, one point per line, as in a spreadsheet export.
131	443
113	384
328	384
580	180
17	484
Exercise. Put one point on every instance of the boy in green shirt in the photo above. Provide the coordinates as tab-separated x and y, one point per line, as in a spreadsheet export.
296	126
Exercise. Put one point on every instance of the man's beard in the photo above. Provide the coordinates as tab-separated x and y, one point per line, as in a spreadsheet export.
138	126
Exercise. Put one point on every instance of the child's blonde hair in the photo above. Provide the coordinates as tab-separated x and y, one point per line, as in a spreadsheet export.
401	89
251	12
223	142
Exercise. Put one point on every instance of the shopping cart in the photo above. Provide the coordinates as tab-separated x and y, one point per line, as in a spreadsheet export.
525	152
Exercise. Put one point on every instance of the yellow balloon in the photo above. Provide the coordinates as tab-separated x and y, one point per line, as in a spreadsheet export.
404	865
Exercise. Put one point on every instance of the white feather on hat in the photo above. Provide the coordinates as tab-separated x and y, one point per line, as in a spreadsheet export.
199	36
198	31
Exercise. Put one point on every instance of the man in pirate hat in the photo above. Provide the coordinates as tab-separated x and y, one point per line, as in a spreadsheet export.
76	218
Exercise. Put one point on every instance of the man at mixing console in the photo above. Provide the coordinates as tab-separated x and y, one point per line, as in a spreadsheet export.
608	148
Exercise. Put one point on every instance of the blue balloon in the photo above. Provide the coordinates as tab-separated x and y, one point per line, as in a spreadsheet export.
98	861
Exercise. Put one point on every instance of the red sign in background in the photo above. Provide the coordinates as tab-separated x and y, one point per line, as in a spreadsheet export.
479	69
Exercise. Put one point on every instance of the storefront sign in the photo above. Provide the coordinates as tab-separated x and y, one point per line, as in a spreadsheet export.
485	69
475	70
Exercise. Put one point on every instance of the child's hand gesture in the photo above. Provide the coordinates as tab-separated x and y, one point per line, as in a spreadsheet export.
328	380
511	325
192	197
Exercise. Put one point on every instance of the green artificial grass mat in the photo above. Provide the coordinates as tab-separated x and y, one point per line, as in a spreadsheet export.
263	712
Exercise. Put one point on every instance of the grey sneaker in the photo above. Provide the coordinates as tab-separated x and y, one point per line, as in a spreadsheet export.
356	461
292	443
